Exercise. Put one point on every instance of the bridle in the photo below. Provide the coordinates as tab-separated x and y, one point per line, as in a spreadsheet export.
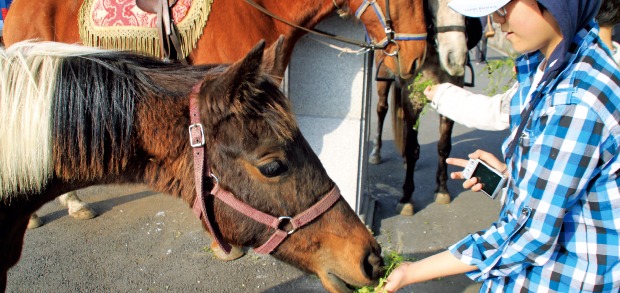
278	224
433	30
390	35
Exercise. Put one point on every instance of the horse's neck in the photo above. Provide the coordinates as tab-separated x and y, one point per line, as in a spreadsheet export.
224	23
163	135
302	13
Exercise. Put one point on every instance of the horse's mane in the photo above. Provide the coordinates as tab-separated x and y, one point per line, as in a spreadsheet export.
69	107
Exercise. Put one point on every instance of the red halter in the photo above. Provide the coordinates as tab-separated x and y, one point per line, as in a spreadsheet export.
197	142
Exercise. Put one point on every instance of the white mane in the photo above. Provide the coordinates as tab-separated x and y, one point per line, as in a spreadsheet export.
27	83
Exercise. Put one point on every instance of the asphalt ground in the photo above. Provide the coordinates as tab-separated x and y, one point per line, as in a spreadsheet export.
148	242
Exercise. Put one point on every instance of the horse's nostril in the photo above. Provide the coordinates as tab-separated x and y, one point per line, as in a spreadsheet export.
414	67
372	265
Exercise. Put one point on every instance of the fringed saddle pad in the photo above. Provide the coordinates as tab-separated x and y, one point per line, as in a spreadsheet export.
121	25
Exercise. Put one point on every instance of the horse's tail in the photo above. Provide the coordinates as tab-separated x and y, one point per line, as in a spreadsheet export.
398	120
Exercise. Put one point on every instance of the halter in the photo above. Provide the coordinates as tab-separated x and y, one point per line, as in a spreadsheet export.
434	30
390	35
197	141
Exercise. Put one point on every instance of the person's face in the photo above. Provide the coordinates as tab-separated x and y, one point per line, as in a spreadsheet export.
528	29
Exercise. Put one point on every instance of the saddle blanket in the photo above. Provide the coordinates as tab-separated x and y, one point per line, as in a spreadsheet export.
107	13
122	25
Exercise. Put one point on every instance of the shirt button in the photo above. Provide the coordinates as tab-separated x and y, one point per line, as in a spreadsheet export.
524	211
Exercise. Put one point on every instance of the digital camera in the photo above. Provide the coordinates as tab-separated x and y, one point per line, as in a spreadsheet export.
492	180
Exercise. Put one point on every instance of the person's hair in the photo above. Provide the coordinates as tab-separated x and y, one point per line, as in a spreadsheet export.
609	14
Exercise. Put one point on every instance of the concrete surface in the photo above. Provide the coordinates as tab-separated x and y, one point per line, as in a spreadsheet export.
147	242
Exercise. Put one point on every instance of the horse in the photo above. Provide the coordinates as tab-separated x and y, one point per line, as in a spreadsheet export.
222	138
227	37
445	62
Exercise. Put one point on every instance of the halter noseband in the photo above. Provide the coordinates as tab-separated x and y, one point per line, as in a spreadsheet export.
197	141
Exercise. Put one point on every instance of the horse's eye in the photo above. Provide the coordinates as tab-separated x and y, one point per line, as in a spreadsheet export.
273	168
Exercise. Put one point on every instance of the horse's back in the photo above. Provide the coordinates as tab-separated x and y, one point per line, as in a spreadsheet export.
46	20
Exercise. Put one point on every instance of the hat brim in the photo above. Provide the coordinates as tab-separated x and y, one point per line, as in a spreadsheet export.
476	8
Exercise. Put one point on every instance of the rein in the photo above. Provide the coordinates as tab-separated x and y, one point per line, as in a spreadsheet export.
391	36
197	141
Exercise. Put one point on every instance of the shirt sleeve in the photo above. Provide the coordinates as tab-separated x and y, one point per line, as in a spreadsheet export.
558	161
474	110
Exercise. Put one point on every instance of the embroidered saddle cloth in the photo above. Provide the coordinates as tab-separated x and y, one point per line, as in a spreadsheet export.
121	25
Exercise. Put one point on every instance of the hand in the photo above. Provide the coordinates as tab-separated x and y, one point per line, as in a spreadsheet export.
430	92
472	183
397	279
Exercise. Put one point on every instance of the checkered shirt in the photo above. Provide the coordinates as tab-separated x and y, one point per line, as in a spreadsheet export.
558	230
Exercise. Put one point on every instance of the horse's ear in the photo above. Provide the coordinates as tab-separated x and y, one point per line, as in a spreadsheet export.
244	74
273	60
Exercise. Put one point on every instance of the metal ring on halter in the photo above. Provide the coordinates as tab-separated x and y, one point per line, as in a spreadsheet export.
395	51
289	219
217	181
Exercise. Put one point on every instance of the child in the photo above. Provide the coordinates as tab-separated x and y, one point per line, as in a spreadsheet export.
558	229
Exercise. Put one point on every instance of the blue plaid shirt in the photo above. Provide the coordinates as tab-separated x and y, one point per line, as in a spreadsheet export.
558	230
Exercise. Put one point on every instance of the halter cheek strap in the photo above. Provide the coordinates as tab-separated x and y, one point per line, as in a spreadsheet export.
197	141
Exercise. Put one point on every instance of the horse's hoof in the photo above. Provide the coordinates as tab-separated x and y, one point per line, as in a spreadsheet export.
235	252
374	159
34	222
442	198
83	213
405	209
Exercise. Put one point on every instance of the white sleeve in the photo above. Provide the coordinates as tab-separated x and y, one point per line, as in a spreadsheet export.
615	50
474	110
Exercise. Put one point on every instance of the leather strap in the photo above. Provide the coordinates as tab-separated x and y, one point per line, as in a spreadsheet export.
197	141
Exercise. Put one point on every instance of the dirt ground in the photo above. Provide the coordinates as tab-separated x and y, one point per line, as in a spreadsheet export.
148	242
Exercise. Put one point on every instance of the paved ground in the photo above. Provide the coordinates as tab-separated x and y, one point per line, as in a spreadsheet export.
148	242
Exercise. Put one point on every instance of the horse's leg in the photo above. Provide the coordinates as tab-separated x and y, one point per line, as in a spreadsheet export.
411	150
13	223
383	89
444	147
76	207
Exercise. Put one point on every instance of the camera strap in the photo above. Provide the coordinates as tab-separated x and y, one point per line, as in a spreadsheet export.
526	113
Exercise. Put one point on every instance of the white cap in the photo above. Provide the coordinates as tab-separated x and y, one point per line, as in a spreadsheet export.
476	8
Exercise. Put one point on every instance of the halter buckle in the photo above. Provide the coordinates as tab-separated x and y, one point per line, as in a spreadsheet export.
201	140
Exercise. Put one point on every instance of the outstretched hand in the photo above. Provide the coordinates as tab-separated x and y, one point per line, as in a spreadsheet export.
430	92
472	183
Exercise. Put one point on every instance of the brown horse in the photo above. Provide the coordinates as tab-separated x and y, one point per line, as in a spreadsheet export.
445	61
77	116
234	26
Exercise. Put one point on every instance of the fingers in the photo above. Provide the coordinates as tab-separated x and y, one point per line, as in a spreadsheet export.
489	158
429	92
457	162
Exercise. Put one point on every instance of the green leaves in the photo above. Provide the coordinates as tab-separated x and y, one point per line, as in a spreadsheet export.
392	259
501	75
